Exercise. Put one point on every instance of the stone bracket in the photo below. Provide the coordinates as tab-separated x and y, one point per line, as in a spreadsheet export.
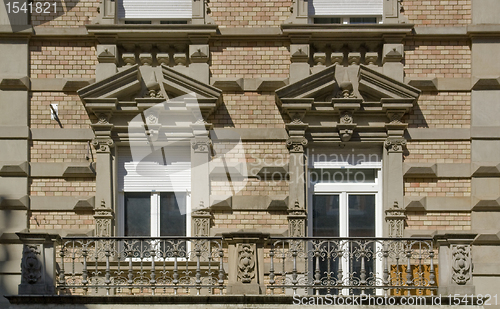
19	169
15	83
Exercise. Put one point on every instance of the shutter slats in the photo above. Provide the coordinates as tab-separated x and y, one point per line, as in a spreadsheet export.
346	7
152	174
155	9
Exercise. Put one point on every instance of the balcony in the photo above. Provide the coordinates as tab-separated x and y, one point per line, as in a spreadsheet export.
244	264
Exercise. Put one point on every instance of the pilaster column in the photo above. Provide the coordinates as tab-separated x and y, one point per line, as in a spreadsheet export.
201	145
395	217
199	69
299	57
107	55
392	57
393	173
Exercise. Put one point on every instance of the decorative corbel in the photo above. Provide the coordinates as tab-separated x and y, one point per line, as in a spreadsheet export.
346	125
395	217
395	144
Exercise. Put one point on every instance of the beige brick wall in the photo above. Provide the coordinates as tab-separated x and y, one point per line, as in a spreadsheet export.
60	220
438	152
250	59
248	110
255	13
250	187
448	221
437	187
251	220
441	110
62	187
437	59
62	59
68	13
438	12
49	151
71	111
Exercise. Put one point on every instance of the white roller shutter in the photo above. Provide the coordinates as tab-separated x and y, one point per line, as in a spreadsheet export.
155	9
346	7
162	171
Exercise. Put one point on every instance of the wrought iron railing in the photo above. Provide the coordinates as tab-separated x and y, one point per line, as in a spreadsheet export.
292	265
141	265
384	266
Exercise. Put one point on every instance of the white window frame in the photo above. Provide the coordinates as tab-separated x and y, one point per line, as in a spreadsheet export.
344	190
345	19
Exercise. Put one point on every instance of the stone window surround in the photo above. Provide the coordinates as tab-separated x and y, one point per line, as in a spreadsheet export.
391	14
109	13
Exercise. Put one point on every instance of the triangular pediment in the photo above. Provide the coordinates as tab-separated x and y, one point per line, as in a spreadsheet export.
138	86
353	82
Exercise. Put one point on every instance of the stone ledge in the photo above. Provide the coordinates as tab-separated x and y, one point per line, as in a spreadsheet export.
248	84
250	134
479	204
62	203
425	134
14	202
436	170
492	132
14	132
15	83
62	134
249	202
16	169
486	83
66	170
439	84
60	84
437	203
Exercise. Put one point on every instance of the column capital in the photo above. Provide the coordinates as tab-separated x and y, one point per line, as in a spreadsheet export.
103	145
395	145
296	144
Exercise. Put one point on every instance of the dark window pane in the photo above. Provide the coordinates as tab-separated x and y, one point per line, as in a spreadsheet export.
326	215
172	214
361	215
327	20
363	20
137	22
137	214
173	22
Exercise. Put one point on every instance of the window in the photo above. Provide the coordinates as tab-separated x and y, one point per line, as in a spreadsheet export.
345	201
345	11
155	11
155	214
154	197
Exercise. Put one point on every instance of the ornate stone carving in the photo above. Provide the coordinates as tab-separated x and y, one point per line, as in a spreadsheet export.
31	267
201	223
395	117
319	58
180	59
337	58
354	58
371	58
146	59
299	52
395	217
346	117
103	118
201	145
103	145
296	144
461	264
163	58
103	218
128	58
246	263
151	119
395	144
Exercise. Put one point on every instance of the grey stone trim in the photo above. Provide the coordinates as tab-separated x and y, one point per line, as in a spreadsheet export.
14	169
437	203
249	202
309	31
62	203
437	170
485	204
250	134
83	169
492	132
486	269
487	238
246	32
486	83
14	83
440	31
59	31
486	169
483	30
424	134
440	84
198	34
249	84
14	132
59	84
14	202
62	134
